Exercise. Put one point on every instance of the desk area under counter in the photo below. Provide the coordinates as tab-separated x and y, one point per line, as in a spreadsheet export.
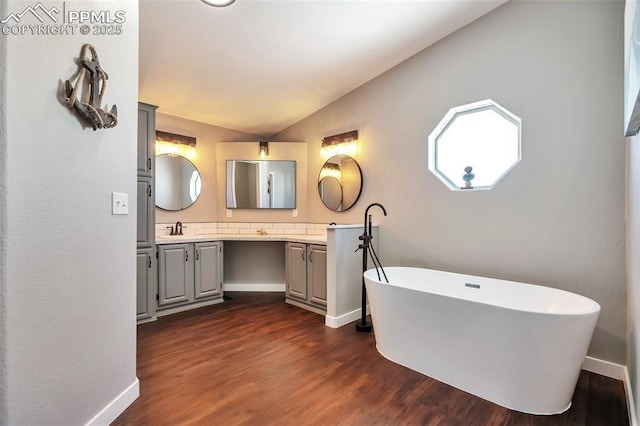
320	273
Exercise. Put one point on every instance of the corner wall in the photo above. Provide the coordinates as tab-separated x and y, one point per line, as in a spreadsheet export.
207	137
69	314
557	219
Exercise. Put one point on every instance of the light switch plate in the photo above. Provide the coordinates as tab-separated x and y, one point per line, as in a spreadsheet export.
229	213
294	213
119	203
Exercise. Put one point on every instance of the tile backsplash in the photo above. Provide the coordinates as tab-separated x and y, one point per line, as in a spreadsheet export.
271	228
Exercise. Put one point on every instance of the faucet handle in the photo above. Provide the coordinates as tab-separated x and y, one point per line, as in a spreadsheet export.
172	232
179	232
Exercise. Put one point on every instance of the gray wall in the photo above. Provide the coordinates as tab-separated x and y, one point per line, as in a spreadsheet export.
207	136
557	219
68	266
249	151
265	257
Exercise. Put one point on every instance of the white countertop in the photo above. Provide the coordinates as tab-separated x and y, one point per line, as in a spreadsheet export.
295	238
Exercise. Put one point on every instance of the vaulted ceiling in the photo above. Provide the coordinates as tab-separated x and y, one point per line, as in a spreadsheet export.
259	66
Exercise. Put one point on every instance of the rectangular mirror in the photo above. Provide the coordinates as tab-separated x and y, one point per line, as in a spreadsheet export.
261	184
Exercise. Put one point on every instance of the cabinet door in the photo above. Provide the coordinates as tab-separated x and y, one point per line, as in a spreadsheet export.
146	139
144	283
175	282
146	212
297	270
317	274
208	270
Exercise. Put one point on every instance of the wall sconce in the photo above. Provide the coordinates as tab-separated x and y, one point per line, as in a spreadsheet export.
330	169
263	149
173	144
344	143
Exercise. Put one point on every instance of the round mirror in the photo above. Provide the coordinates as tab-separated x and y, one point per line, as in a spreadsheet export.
178	182
340	183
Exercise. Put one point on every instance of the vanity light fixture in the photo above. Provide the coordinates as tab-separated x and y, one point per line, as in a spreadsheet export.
218	3
344	143
330	169
263	149
173	144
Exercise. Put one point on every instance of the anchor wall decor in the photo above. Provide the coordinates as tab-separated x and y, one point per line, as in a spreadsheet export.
91	111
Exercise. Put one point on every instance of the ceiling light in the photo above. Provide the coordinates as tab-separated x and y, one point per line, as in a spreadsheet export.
218	3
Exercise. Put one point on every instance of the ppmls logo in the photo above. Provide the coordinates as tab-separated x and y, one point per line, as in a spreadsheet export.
33	11
40	20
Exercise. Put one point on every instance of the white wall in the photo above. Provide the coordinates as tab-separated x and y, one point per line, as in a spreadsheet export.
69	327
633	266
557	218
4	417
633	236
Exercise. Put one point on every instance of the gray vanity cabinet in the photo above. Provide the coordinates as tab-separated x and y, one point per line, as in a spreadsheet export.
146	219
208	269
296	270
145	277
146	212
189	272
317	274
146	280
146	139
306	275
175	270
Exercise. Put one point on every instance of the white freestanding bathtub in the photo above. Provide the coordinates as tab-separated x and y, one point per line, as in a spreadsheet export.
517	345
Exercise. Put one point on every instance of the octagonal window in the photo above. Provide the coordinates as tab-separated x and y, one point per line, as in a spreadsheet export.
474	145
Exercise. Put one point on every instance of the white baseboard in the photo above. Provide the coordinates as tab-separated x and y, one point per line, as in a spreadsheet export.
146	320
109	413
604	368
255	287
631	409
344	319
304	306
614	371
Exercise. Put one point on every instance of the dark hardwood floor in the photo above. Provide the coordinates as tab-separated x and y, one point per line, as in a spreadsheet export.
256	360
